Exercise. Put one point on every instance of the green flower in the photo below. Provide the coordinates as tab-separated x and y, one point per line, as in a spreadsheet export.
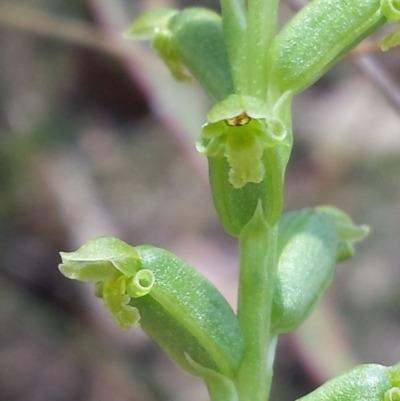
115	268
240	128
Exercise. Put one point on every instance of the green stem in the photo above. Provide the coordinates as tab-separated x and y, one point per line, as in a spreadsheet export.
234	23
221	390
258	264
261	26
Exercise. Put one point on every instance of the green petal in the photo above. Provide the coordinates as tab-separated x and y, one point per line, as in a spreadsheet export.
116	300
146	26
244	154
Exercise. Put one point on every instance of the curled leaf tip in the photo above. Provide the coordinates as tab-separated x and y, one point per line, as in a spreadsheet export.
240	128
140	284
393	394
391	9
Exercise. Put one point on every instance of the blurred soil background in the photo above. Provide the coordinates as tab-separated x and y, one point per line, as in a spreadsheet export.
97	139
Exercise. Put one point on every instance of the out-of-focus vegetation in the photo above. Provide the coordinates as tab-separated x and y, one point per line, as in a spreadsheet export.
97	139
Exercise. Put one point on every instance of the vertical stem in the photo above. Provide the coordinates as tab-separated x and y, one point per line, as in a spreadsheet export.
221	390
261	25
258	264
234	23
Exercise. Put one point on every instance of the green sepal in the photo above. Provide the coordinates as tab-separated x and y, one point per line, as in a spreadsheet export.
98	259
307	247
370	382
181	310
348	232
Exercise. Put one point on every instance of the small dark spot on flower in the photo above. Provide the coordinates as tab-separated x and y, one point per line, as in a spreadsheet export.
241	119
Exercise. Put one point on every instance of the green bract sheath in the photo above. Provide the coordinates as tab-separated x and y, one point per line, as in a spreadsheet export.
317	36
307	246
186	314
236	206
369	382
181	310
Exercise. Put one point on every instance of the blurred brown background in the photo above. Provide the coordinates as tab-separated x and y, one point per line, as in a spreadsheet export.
97	139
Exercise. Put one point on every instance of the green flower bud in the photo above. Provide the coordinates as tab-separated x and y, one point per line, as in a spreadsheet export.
368	382
181	310
307	246
199	42
319	34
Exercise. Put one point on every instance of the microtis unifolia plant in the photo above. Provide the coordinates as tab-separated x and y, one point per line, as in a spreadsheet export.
251	75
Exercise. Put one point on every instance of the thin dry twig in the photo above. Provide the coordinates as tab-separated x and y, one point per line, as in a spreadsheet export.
71	31
66	29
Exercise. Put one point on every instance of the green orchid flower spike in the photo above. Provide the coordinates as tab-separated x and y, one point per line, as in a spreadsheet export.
250	74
